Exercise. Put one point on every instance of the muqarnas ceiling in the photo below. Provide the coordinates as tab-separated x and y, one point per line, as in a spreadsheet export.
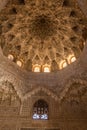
42	32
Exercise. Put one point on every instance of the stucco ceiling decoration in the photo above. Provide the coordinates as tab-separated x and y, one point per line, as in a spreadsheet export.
42	32
75	91
42	27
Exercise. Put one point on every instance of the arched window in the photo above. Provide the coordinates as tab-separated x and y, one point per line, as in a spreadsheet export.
11	57
40	110
19	63
63	64
36	68
73	59
46	68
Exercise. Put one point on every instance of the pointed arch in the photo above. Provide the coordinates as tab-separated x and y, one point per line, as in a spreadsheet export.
41	89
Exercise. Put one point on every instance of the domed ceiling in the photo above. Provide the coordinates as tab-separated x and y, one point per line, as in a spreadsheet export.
42	32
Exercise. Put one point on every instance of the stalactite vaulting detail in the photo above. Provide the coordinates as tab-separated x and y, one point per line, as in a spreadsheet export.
54	28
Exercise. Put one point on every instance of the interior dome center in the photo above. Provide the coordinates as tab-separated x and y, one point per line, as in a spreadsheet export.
43	21
42	27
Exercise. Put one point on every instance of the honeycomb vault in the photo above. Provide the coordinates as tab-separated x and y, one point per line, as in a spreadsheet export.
42	32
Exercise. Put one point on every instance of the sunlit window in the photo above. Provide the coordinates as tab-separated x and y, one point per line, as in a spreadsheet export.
40	110
63	64
19	63
36	68
39	68
46	68
11	57
73	59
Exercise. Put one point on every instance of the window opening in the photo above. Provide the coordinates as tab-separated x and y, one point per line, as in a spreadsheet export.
40	110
